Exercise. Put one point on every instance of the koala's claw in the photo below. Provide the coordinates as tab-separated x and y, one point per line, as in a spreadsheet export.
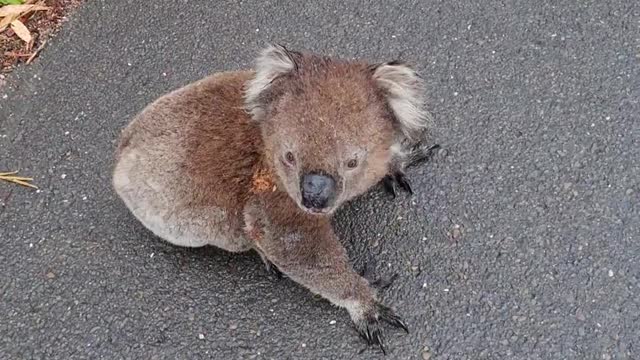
272	269
390	185
392	181
421	153
397	177
371	331
402	180
388	316
370	326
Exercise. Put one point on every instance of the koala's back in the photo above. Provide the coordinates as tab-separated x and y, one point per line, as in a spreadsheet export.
184	164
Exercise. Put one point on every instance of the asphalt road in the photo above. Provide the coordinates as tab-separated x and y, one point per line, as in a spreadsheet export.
521	242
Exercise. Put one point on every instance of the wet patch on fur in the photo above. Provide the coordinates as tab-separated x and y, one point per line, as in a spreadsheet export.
262	181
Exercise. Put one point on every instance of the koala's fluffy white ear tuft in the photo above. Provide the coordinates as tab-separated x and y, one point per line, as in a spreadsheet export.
405	94
273	61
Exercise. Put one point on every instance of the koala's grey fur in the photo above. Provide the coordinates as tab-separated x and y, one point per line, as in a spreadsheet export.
206	164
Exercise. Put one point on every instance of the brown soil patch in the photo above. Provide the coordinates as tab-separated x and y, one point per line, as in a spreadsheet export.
41	24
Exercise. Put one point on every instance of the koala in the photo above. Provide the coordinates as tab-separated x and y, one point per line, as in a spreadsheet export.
260	160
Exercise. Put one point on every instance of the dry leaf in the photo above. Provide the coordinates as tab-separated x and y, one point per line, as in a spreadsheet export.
5	21
21	30
10	177
8	13
9	10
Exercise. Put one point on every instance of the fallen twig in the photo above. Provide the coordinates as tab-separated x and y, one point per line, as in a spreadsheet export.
15	54
35	53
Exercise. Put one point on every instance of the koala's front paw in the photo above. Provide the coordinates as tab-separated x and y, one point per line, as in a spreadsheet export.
369	325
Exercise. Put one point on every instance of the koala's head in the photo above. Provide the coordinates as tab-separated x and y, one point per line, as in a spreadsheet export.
331	127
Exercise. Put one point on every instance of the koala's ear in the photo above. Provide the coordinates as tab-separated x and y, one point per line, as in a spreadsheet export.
274	61
404	90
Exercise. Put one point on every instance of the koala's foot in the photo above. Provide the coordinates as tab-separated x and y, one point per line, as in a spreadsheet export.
397	180
369	324
271	269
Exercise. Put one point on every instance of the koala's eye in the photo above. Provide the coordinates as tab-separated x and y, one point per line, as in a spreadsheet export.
290	158
352	164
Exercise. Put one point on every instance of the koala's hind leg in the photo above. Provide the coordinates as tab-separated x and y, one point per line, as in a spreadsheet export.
155	202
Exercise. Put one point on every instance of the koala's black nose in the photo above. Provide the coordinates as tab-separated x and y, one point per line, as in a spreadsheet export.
318	190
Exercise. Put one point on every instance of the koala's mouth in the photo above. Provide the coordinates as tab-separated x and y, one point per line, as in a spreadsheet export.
314	211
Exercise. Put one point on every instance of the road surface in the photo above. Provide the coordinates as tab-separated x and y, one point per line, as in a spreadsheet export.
522	240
